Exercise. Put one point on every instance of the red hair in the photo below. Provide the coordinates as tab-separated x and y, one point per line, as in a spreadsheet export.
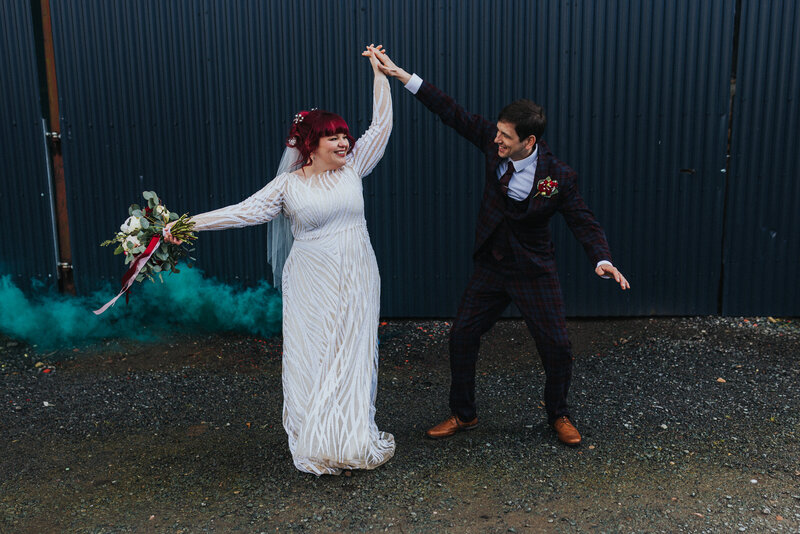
311	126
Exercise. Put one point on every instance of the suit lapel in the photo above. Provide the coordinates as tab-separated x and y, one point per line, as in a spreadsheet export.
541	162
542	169
491	177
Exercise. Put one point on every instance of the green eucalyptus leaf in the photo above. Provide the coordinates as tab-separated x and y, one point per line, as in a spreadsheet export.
118	250
147	195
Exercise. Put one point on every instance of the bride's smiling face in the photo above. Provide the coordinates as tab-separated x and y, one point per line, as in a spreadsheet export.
331	151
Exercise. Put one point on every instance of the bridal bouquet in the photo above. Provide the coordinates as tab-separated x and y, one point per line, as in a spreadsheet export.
140	241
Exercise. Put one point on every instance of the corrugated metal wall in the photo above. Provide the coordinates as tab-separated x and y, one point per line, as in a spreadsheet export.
26	249
176	97
762	247
193	98
635	92
640	94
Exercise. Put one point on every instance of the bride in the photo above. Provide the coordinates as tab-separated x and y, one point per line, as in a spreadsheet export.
330	284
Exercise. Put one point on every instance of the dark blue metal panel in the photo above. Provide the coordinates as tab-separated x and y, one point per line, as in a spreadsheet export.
27	247
193	99
762	248
646	128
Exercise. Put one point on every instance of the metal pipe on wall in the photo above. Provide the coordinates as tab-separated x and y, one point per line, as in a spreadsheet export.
51	191
66	281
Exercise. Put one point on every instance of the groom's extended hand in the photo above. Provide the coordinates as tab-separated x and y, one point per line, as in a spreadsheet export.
388	67
610	271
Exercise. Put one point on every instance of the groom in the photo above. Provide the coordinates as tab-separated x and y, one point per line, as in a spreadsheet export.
514	253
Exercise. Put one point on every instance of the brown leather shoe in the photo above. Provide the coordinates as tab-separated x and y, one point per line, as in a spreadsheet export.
450	426
567	433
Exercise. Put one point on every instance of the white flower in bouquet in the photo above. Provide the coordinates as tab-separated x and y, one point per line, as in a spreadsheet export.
162	211
132	224
131	243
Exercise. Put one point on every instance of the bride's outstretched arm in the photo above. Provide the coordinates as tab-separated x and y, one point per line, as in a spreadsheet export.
369	148
258	208
262	206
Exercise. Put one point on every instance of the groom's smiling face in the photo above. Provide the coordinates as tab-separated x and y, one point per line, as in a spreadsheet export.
509	145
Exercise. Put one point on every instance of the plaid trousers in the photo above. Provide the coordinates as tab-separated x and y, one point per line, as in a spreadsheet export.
493	285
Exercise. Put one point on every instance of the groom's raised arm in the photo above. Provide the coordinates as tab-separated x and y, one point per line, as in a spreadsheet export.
476	129
472	127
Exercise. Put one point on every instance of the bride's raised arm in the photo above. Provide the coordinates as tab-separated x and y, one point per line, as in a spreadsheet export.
369	148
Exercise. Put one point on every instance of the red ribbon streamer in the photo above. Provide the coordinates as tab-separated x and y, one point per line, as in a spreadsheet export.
130	275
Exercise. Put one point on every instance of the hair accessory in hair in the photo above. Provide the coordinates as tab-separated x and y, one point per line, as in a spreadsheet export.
292	141
300	115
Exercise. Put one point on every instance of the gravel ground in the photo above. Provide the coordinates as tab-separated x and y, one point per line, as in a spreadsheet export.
689	425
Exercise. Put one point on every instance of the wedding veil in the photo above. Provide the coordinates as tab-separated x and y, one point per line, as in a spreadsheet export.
279	230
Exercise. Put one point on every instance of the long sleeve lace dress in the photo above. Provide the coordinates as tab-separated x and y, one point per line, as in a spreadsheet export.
331	296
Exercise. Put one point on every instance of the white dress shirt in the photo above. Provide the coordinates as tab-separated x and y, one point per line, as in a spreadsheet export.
524	175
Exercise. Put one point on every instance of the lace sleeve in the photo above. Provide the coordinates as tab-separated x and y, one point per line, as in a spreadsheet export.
259	208
369	148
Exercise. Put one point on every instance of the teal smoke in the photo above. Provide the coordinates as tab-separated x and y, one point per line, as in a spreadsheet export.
185	302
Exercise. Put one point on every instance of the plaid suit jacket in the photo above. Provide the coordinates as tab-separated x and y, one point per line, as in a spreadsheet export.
530	235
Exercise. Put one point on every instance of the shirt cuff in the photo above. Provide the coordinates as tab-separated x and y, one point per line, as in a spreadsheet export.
414	84
602	262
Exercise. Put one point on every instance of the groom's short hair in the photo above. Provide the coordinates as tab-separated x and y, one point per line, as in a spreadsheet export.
527	117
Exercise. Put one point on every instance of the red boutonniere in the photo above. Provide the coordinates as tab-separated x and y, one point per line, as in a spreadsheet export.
547	187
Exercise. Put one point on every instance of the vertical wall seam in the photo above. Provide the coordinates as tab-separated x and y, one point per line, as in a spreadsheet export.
728	158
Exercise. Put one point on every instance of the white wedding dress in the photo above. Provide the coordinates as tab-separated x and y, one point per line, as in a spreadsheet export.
331	297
